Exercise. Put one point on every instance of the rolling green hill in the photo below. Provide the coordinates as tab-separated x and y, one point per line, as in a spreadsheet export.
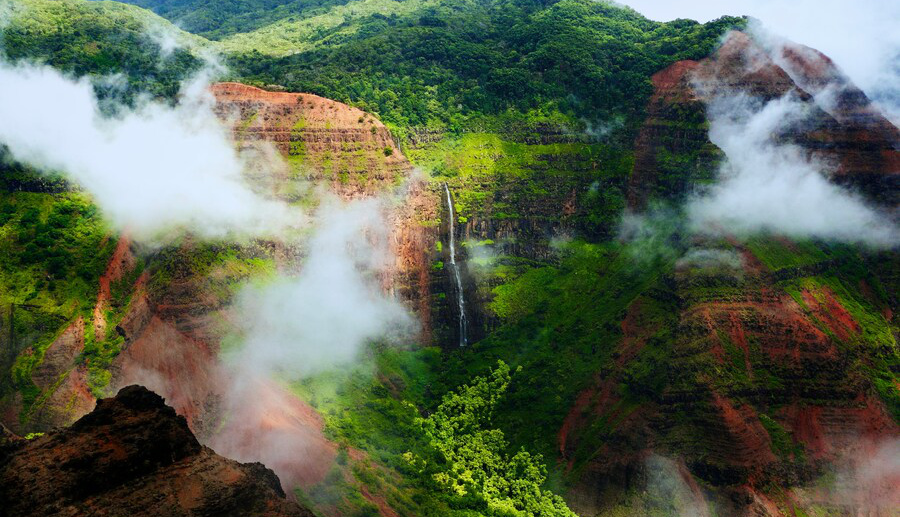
101	38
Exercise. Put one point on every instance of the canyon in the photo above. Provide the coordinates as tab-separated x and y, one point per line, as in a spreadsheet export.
743	381
786	346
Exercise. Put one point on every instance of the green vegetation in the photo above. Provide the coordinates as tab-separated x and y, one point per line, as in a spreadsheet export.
499	176
558	338
782	443
473	465
439	63
860	292
101	38
778	253
454	462
215	20
447	63
53	248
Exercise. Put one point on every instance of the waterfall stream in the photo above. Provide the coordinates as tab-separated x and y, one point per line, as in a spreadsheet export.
460	299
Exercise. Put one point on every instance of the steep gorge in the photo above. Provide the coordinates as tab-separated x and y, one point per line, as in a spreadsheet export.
177	300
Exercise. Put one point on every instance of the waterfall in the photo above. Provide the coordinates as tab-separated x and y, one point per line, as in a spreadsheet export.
460	300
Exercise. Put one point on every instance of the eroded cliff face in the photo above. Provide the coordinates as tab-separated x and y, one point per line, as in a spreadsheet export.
324	142
767	378
763	386
842	128
132	455
672	149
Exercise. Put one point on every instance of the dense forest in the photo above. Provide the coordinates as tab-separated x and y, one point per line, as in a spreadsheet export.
441	64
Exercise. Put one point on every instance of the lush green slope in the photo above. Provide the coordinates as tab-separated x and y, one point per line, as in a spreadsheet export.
442	63
54	243
605	352
216	19
101	38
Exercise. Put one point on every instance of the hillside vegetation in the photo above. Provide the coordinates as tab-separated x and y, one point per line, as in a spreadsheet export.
447	62
591	350
102	39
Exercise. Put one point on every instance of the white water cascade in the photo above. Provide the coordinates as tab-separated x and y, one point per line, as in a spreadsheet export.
460	299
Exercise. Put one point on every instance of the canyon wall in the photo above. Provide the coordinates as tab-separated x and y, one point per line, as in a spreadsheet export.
842	127
765	382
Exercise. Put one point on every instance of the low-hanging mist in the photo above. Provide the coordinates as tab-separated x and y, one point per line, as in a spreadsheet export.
151	169
321	317
767	185
862	38
295	326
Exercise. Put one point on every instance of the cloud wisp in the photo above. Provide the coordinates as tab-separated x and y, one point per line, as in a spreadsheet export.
153	169
295	326
861	38
768	185
322	317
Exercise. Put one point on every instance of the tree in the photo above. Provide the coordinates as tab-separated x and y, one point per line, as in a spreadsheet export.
470	460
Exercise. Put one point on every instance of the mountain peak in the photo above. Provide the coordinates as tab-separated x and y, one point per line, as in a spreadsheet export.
133	456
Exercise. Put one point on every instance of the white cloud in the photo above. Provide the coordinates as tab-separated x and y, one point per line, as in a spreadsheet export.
151	169
335	305
704	258
768	185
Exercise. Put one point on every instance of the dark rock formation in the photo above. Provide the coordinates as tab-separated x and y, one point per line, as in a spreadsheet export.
132	456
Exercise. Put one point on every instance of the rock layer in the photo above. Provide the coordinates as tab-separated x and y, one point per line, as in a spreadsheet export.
322	139
763	385
132	456
842	128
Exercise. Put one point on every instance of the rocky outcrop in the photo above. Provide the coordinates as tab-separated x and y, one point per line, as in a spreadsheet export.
172	346
841	128
323	140
132	456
